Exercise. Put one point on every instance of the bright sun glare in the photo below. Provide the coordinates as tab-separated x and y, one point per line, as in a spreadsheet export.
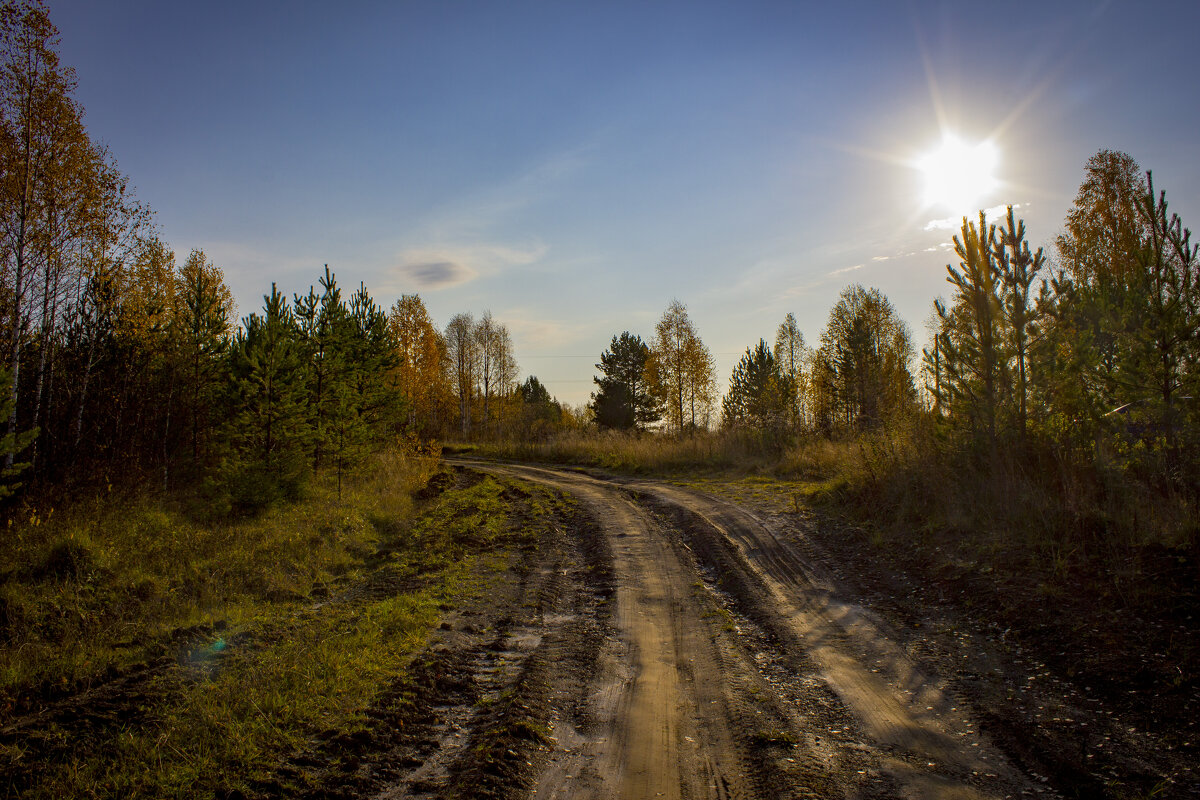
958	176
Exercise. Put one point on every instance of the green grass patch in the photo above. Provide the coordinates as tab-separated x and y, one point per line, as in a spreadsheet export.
248	637
238	706
106	583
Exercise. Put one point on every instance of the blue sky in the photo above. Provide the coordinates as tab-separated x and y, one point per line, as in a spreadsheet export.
573	167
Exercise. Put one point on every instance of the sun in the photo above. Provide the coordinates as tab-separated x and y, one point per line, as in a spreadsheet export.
959	176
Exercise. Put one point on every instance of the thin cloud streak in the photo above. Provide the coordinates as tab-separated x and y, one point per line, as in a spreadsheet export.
481	212
844	270
533	332
954	223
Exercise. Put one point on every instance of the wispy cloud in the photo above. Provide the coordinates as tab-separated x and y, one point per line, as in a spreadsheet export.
478	213
954	223
437	274
844	270
441	267
802	289
467	239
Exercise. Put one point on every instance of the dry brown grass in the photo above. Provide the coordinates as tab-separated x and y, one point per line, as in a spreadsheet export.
637	453
917	481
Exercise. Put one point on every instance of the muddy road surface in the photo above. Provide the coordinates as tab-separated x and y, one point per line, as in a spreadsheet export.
728	666
625	638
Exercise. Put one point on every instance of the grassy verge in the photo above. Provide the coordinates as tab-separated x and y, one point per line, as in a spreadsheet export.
109	583
149	654
636	453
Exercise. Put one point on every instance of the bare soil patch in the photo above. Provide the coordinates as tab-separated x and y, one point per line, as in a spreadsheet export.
472	717
795	692
1092	696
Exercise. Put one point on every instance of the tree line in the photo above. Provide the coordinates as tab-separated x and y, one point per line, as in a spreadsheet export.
1103	355
1091	350
118	360
858	377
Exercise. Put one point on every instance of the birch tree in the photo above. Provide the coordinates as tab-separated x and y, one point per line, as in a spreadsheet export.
463	357
680	369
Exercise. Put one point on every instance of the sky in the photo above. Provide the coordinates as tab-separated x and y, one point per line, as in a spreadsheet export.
573	167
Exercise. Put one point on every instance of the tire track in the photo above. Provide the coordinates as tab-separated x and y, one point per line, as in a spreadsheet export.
660	707
672	725
929	743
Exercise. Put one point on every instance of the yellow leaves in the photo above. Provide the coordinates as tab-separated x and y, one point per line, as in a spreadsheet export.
680	370
147	292
201	283
421	364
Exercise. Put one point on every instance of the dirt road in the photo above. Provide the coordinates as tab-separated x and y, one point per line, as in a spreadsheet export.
732	669
630	638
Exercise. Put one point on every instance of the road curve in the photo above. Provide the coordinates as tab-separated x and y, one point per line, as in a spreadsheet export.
660	718
670	719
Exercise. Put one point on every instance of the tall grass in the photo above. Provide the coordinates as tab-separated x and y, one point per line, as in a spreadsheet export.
638	453
103	583
1035	510
257	633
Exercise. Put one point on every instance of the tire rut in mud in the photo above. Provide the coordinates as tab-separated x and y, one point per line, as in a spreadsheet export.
800	741
750	717
920	737
1052	723
820	697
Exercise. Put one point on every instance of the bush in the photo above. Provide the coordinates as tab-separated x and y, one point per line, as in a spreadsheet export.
67	559
254	487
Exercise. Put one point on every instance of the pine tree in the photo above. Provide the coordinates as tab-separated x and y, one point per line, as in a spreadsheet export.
758	391
270	425
539	411
1164	347
360	401
624	400
372	360
202	319
972	343
323	325
1019	268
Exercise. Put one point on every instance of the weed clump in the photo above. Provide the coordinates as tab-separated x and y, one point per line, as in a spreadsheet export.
67	559
12	614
